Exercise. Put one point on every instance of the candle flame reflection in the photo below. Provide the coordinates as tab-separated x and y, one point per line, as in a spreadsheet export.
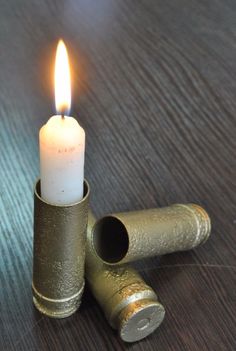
62	80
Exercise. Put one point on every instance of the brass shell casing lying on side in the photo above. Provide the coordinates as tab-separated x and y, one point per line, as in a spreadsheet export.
125	237
59	255
129	304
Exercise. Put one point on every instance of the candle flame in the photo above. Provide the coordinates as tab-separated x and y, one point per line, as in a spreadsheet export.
62	80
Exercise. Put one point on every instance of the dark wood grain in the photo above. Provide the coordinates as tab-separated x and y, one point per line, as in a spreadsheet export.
154	88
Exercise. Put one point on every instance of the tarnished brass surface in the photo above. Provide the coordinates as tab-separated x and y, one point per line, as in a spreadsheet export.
59	255
129	304
129	236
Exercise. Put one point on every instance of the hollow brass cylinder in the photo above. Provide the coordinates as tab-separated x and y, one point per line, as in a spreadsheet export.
125	237
129	304
59	255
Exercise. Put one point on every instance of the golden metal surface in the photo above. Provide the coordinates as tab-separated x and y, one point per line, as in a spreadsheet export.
129	304
129	236
59	255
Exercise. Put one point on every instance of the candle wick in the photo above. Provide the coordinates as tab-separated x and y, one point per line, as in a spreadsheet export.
62	116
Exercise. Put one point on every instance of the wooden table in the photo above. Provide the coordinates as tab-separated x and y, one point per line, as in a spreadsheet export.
155	89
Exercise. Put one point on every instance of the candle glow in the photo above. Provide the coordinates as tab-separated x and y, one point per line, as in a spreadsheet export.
62	80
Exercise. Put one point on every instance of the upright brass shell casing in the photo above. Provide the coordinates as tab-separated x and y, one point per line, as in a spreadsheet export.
59	255
129	304
125	237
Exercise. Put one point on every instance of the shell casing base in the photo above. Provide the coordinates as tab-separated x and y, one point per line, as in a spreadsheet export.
57	308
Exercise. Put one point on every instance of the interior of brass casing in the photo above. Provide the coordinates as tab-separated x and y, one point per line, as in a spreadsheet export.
59	255
129	304
129	236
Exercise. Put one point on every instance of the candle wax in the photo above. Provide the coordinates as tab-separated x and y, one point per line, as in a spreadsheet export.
62	147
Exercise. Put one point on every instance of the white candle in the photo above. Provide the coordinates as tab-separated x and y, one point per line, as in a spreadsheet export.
62	144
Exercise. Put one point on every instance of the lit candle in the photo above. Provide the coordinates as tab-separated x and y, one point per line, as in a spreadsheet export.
62	143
